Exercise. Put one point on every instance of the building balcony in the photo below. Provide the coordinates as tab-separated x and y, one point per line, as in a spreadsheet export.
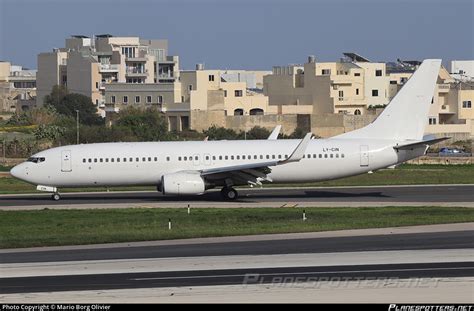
341	80
349	101
446	109
108	68
443	88
136	59
136	72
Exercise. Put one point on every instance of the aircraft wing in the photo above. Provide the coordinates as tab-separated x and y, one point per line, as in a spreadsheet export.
254	173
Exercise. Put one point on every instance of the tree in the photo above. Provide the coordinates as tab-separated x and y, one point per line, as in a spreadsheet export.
67	103
256	132
146	125
220	133
49	132
57	95
42	116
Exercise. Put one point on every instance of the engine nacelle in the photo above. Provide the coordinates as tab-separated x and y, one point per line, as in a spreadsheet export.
182	183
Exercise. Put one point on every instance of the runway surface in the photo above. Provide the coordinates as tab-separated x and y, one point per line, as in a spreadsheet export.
430	240
444	194
390	256
231	277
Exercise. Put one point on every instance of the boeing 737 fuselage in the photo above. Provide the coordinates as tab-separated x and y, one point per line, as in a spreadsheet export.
187	168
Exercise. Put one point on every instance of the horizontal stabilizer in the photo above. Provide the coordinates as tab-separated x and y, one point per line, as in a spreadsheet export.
420	143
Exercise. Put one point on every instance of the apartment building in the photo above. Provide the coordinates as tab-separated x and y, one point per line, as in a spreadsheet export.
348	94
350	86
17	87
451	110
197	100
86	65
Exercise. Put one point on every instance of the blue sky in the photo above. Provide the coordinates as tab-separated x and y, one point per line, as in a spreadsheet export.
242	34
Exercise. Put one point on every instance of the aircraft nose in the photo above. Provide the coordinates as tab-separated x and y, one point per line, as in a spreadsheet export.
18	171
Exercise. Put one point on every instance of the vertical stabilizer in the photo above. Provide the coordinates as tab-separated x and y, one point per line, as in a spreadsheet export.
406	115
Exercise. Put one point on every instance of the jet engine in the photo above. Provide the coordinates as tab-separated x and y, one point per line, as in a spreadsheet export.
182	183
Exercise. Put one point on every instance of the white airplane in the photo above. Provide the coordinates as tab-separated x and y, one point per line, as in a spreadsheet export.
190	168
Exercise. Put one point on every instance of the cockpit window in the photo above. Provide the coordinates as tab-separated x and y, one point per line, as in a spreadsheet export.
36	159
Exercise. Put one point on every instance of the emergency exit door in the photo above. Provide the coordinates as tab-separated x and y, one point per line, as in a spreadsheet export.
364	155
66	162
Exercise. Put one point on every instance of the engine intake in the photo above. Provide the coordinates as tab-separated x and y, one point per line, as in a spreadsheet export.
182	183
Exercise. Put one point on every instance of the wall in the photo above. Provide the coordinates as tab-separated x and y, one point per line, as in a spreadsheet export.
49	73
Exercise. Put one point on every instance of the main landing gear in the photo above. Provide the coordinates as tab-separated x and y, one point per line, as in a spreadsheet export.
56	196
229	193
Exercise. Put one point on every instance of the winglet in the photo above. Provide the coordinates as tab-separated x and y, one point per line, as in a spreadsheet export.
299	151
275	132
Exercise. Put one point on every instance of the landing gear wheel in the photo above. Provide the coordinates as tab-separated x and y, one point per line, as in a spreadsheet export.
56	197
229	193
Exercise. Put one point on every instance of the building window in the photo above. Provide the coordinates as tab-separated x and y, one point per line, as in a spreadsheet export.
326	72
378	73
357	112
256	111
148	99
160	99
375	93
125	99
128	51
393	81
211	78
97	85
341	95
137	99
225	93
357	91
466	104
238	93
112	99
356	74
190	87
238	112
432	121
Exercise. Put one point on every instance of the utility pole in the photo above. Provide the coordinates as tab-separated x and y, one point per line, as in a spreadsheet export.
77	126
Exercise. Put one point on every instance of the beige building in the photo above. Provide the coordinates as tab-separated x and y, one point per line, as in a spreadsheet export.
350	86
17	88
197	100
87	65
345	95
451	111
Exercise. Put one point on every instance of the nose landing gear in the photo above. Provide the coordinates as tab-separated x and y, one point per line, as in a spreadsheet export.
56	196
